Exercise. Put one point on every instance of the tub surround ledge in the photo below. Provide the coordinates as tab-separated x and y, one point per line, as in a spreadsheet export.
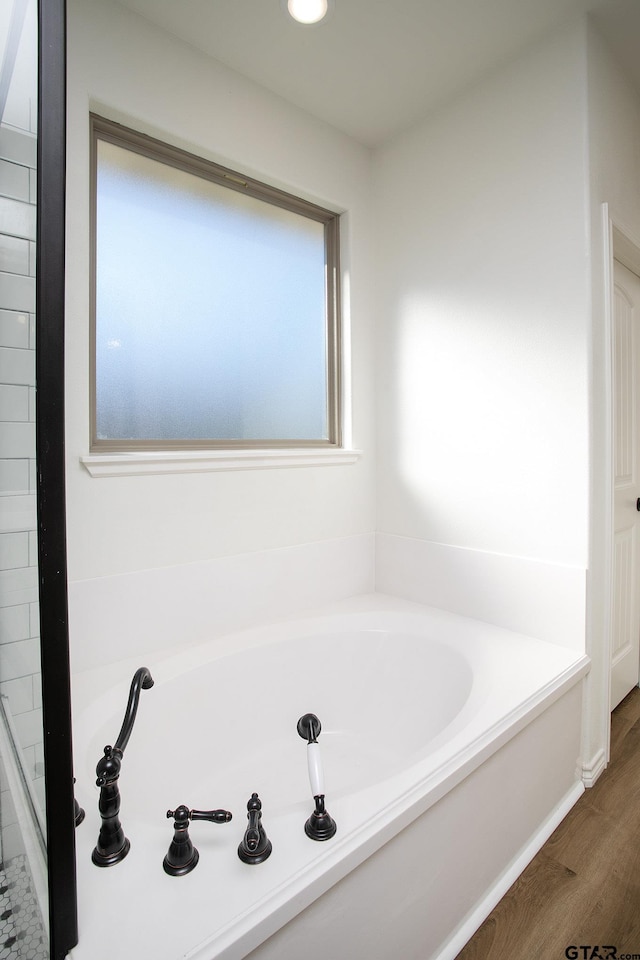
146	611
531	596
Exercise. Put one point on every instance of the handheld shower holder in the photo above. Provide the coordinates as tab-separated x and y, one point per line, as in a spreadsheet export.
320	825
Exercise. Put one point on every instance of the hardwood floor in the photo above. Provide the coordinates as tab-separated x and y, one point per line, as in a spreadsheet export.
583	887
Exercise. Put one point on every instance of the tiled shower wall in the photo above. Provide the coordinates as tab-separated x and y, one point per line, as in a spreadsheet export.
19	620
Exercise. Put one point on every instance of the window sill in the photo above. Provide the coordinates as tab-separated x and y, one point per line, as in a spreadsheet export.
207	461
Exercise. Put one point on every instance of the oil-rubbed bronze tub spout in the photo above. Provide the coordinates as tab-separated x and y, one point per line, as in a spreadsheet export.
112	845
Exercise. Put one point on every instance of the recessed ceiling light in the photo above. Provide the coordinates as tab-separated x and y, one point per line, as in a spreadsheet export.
307	11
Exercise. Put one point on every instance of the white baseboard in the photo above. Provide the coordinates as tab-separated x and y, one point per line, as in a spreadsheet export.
592	770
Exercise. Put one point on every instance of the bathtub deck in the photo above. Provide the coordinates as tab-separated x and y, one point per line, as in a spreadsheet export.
224	908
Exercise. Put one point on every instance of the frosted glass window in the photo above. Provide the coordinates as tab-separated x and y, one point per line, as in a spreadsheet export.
215	304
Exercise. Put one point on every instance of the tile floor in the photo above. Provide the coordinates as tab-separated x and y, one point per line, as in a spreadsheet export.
22	936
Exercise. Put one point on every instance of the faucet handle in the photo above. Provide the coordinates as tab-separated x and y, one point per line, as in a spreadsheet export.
183	856
108	766
255	846
182	815
213	816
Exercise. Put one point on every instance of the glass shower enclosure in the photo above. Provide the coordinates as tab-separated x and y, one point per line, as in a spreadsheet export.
23	904
37	866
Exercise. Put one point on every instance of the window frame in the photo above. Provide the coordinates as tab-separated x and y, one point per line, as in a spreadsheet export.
127	138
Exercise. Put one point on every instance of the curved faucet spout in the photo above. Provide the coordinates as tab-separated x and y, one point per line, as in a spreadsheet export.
142	680
112	845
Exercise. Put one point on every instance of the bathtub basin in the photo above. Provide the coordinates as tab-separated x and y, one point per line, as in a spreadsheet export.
412	701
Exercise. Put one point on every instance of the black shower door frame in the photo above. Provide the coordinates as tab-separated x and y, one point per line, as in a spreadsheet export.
52	558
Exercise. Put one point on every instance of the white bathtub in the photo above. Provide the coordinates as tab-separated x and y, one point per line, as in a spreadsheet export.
450	751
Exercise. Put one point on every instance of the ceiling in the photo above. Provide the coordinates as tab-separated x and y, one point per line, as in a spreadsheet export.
375	67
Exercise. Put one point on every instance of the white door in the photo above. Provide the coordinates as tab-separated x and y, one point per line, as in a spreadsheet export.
625	654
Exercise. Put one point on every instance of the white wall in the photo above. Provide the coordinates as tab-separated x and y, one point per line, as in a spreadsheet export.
483	338
494	412
486	219
483	457
125	68
614	138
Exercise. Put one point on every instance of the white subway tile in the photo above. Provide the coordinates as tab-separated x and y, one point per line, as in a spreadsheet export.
14	477
19	114
14	329
14	550
18	367
20	658
14	402
18	218
14	180
14	627
29	760
29	727
38	749
18	588
36	681
17	440
34	619
33	548
17	293
18	147
19	692
38	781
9	815
39	788
12	842
15	255
18	514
